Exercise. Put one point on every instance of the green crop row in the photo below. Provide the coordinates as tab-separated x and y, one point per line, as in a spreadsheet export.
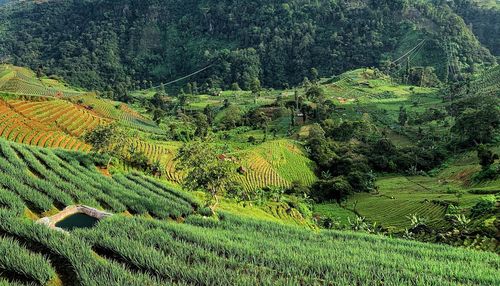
238	251
45	178
16	260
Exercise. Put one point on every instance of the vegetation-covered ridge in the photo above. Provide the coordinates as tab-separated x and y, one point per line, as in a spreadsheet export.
131	44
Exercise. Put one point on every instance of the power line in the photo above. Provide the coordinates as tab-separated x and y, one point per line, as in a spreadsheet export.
410	51
184	77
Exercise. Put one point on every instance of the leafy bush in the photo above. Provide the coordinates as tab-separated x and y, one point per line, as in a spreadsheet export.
485	206
336	189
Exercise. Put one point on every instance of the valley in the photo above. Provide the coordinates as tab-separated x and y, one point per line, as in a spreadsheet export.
249	143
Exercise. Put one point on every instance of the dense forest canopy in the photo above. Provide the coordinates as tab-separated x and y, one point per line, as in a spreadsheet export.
484	19
132	44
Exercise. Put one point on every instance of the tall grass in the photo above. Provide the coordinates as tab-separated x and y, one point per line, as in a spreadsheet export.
228	250
14	258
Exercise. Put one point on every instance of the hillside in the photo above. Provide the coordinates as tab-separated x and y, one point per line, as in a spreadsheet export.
137	247
231	142
47	113
131	44
483	17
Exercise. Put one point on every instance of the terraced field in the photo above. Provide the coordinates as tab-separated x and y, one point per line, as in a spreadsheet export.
142	245
75	119
164	153
275	163
16	127
60	114
21	81
487	83
400	197
119	112
367	85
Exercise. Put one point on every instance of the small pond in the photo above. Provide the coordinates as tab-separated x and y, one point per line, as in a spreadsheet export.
79	220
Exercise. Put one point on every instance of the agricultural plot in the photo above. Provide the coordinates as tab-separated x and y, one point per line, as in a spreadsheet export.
45	179
16	127
487	83
400	197
366	85
21	81
60	114
124	250
275	163
118	111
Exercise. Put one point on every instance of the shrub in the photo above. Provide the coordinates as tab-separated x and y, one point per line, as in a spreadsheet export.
485	205
336	189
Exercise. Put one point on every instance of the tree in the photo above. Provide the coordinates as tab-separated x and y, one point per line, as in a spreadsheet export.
403	116
231	117
210	112
235	86
314	75
262	121
205	171
202	126
478	125
255	86
315	92
105	139
336	189
39	71
182	97
158	115
486	157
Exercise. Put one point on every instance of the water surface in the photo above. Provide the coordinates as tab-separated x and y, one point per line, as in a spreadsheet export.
79	220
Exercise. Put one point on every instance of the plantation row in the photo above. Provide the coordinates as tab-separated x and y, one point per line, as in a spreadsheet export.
275	163
488	83
17	128
237	251
5	76
120	112
21	81
395	212
154	152
59	113
45	179
17	85
171	172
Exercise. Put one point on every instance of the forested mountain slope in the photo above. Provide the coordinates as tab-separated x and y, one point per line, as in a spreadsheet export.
114	46
484	19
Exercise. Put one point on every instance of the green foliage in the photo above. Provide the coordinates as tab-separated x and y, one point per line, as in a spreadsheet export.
485	206
336	189
104	138
202	125
484	18
15	259
276	43
231	117
206	170
421	76
315	92
42	179
486	157
478	119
